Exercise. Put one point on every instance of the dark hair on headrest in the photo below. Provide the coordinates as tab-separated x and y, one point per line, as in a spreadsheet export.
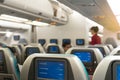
95	28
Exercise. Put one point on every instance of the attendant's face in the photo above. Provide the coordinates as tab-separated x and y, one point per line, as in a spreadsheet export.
92	32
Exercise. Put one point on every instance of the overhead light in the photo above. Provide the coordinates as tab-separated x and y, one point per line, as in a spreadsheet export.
37	23
22	20
12	18
115	5
53	23
8	34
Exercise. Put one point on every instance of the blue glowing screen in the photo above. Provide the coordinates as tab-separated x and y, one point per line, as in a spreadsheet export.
50	70
66	41
118	72
84	56
53	49
32	50
41	41
80	42
54	41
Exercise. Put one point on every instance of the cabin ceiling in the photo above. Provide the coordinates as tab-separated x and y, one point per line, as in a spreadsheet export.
96	10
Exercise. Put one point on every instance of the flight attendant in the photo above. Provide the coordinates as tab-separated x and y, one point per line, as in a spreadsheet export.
95	38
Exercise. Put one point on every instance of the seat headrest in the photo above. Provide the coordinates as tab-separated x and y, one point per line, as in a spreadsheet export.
115	51
8	64
53	67
29	50
84	52
104	49
38	45
108	69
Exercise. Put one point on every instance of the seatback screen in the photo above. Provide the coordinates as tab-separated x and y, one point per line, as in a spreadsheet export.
32	50
66	41
50	70
53	49
16	37
54	41
118	72
42	41
80	42
84	56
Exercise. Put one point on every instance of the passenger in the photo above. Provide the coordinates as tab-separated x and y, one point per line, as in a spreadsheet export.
66	46
95	38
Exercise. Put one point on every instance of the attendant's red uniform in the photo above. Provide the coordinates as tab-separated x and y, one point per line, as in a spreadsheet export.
95	40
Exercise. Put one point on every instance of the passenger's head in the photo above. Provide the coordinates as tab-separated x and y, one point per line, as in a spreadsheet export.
66	46
94	30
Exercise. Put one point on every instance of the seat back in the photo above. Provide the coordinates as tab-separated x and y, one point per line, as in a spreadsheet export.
18	54
90	57
54	48
104	49
29	50
20	46
53	67
110	46
38	45
108	69
8	65
116	51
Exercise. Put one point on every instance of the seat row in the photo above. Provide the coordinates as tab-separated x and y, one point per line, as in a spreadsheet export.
52	66
22	52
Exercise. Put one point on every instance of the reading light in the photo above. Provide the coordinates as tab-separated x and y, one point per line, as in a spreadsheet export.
37	23
13	18
53	23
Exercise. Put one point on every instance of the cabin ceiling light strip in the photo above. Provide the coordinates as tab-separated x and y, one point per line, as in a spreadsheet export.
21	20
115	6
13	18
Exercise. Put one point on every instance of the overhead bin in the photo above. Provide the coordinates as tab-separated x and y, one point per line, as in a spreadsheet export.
61	12
40	7
33	9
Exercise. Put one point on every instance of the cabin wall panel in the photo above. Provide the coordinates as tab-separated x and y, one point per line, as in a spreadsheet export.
75	28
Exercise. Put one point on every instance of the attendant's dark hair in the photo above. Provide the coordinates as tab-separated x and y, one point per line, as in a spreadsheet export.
95	29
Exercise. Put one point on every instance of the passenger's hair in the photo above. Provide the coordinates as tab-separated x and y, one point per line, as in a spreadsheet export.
95	29
65	44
